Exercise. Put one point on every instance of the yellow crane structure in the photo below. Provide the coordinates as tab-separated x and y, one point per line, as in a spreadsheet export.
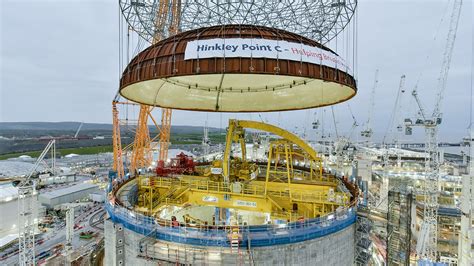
278	149
142	145
281	187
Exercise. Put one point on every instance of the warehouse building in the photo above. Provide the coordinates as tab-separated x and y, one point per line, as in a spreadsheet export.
65	195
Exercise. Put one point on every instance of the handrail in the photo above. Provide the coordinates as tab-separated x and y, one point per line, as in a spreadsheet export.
351	187
147	223
163	222
254	190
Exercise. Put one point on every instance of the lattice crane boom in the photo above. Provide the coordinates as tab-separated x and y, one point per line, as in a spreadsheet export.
414	93
427	244
142	147
166	113
78	130
447	56
27	203
117	140
401	90
368	129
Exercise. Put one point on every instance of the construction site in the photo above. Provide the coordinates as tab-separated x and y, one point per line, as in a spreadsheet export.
265	194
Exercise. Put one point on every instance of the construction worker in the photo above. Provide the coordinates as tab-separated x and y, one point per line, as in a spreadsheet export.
174	222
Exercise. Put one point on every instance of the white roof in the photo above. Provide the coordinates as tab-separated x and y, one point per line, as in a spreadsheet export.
14	167
7	239
68	190
8	192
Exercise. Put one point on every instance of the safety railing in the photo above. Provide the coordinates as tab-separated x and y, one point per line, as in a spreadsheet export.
338	198
217	235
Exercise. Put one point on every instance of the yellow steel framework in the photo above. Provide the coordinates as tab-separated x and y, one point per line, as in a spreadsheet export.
236	133
283	191
311	200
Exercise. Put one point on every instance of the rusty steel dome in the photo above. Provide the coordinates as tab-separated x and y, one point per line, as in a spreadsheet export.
237	68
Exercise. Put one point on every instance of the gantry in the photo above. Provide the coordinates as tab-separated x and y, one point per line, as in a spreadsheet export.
291	184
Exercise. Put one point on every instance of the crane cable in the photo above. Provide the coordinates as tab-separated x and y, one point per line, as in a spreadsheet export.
432	46
334	120
392	116
354	124
471	108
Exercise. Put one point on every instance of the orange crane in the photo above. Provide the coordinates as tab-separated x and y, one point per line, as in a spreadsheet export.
172	30
116	141
142	145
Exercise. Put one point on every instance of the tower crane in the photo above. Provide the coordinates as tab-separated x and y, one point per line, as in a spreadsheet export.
78	129
27	203
401	91
368	132
395	120
427	243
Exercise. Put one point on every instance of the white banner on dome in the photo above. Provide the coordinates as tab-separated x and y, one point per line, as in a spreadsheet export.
263	48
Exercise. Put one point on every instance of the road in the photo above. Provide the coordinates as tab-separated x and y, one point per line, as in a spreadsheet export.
96	221
58	235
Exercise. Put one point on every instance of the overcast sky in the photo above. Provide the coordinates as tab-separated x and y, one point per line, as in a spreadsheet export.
59	62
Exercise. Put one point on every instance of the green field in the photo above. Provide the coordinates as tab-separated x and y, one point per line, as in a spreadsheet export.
182	138
62	152
194	138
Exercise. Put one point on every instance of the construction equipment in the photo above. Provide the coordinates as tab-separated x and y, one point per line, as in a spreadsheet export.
401	91
284	189
395	122
427	247
205	139
367	132
181	164
117	140
141	153
165	133
142	146
27	204
68	249
78	129
166	10
236	133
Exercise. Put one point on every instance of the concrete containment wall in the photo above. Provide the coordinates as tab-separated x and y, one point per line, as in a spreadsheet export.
333	249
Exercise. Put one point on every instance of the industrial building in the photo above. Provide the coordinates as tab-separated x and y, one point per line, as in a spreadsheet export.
189	218
282	208
67	194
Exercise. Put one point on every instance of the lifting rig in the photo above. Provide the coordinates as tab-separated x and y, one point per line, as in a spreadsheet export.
427	243
280	187
142	145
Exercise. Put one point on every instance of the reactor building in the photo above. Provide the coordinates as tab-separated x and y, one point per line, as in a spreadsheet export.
282	209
